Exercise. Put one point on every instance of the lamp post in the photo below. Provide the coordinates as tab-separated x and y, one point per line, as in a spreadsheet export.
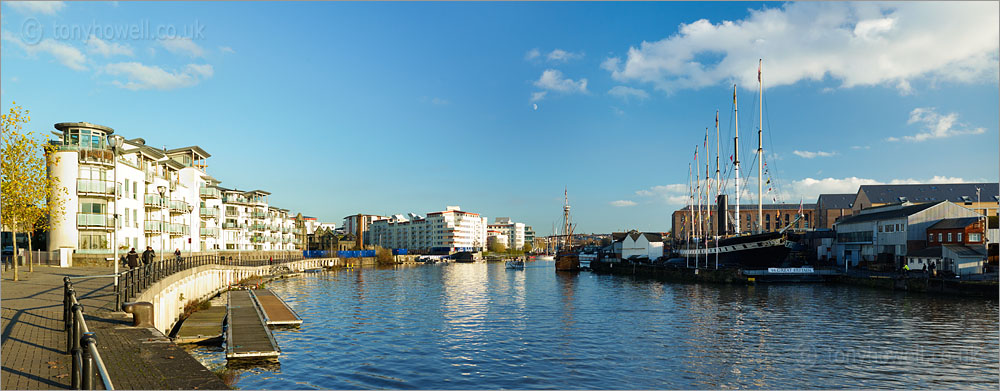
190	233
116	143
162	190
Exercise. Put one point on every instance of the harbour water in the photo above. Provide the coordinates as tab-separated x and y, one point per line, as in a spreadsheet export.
482	326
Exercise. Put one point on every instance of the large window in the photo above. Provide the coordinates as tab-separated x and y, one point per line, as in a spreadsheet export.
94	241
85	138
93	206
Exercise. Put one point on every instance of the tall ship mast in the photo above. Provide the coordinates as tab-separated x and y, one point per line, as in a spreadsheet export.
756	249
567	259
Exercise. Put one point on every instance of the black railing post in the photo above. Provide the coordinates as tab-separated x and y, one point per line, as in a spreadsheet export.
88	360
75	350
67	289
70	320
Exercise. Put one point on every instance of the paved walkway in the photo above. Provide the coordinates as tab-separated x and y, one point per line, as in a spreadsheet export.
34	343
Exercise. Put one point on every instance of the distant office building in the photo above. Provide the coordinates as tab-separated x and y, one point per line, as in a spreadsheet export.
529	235
353	222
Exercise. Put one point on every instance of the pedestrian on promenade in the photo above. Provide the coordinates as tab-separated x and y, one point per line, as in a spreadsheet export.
148	255
270	260
132	258
177	254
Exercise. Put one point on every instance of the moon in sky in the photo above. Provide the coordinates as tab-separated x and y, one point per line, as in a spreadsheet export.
535	105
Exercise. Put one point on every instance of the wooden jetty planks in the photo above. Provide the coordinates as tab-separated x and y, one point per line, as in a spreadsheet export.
276	312
202	325
247	335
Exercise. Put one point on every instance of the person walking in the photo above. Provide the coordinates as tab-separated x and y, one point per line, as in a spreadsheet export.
148	256
177	254
132	258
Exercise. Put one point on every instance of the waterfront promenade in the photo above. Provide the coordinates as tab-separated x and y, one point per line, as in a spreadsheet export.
34	343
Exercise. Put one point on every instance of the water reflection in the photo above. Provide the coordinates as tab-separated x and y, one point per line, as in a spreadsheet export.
478	326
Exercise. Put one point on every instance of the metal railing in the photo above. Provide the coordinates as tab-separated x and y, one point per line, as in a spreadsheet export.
152	200
210	192
154	226
81	343
178	229
210	232
226	225
134	281
178	206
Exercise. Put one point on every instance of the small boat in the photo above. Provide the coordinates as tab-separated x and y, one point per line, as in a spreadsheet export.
517	264
545	258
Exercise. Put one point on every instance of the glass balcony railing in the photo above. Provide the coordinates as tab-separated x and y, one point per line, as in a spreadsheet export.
209	212
259	227
154	226
213	232
95	186
210	192
179	229
178	206
153	201
99	156
94	220
149	176
259	215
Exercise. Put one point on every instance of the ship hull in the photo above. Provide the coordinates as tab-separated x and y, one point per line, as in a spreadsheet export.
567	262
759	251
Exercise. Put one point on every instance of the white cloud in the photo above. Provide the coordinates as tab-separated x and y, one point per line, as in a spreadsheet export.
142	77
537	96
617	111
936	125
673	194
810	155
553	80
622	203
65	54
859	147
434	101
41	7
559	55
227	50
625	93
97	46
532	54
857	43
184	46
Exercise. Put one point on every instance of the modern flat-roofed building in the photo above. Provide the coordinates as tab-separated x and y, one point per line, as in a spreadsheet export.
353	222
451	229
165	198
963	194
514	232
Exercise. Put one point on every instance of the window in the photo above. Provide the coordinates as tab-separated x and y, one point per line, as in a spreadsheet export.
959	237
975	236
930	237
949	236
135	218
126	188
135	191
93	206
126	217
94	241
940	237
880	229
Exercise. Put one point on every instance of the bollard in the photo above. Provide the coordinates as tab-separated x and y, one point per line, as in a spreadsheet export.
142	313
67	293
75	349
88	360
71	330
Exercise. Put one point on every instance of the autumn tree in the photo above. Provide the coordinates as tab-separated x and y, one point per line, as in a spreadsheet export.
25	186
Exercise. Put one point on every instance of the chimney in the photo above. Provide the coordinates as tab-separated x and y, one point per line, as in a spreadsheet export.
360	235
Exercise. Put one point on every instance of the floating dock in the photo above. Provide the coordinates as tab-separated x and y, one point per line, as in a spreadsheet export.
248	335
203	325
276	312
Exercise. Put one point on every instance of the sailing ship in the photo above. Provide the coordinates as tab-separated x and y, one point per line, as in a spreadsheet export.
567	258
755	250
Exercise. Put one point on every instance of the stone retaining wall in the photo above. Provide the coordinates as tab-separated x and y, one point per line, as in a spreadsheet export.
170	294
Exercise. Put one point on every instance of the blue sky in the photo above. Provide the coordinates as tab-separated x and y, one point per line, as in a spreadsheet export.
339	108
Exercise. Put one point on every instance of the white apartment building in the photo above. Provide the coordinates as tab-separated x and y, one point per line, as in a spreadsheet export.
451	229
514	232
494	236
165	198
353	222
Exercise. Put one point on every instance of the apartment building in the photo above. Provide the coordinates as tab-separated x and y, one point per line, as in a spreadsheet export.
451	229
514	232
163	198
361	221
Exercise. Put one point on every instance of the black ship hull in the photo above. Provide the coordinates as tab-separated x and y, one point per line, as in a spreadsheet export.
758	251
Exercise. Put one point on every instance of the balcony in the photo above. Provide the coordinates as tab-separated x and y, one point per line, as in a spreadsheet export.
233	226
153	201
259	215
178	207
210	192
154	226
209	213
95	220
178	229
212	232
256	239
149	176
95	156
259	227
274	228
95	187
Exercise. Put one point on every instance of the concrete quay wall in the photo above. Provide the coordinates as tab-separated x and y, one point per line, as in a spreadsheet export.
170	294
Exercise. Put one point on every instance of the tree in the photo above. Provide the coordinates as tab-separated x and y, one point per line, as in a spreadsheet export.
527	248
496	247
27	193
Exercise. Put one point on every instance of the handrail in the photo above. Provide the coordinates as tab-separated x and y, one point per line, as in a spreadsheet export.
81	343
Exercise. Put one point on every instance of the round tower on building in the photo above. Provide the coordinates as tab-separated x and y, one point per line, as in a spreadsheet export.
83	163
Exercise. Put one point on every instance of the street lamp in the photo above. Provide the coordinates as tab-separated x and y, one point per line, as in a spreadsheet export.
116	143
190	231
162	190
